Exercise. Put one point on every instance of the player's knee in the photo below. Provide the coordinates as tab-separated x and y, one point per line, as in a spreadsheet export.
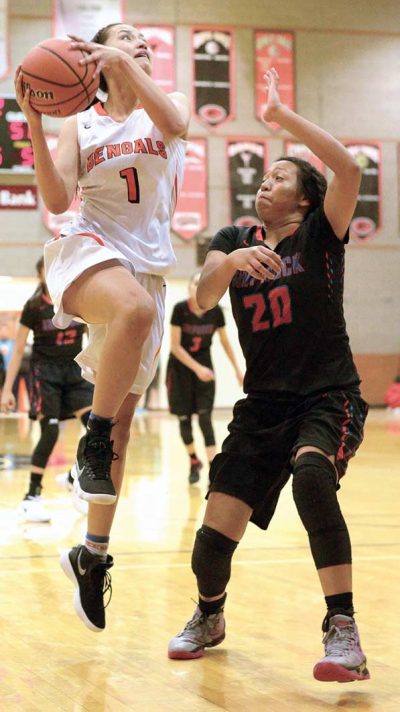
211	561
314	493
206	427
49	434
185	429
139	316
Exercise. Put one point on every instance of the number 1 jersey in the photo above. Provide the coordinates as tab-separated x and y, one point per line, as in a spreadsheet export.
129	180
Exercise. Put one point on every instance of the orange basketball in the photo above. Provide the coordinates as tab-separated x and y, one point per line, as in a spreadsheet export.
59	86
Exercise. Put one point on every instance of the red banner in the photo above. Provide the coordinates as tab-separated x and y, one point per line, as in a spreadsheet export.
274	49
213	72
18	197
161	40
299	150
53	222
191	214
247	163
367	218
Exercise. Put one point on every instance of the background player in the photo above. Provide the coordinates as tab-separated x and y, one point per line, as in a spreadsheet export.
190	372
303	413
109	266
57	389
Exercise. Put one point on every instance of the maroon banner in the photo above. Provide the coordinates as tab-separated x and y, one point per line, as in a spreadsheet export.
213	71
299	150
247	162
274	49
18	197
367	219
161	40
191	214
53	222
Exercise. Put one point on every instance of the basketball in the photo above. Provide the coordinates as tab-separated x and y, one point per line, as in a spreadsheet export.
59	86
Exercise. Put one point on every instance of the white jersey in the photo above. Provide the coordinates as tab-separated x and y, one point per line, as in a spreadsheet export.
129	180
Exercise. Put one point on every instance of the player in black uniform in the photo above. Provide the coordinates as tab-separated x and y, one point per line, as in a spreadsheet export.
303	414
57	390
190	373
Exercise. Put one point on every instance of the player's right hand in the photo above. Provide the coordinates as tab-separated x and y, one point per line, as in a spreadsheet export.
259	261
22	98
205	374
7	402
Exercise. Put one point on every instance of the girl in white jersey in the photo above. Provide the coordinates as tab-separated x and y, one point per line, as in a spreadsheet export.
108	267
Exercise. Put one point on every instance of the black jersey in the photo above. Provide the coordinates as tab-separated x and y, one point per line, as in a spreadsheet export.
50	343
292	329
197	330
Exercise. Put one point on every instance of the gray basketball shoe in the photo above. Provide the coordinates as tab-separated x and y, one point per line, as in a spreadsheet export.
200	632
344	661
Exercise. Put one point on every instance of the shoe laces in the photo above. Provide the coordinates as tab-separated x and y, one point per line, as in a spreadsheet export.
102	571
202	620
99	455
339	640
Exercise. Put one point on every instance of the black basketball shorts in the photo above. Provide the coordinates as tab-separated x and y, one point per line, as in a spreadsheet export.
57	389
264	435
186	393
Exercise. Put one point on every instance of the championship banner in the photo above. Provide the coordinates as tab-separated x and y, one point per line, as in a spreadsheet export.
367	219
274	49
53	222
247	160
4	43
191	214
161	41
299	150
213	72
84	17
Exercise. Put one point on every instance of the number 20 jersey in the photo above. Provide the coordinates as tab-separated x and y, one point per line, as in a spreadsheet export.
292	328
129	179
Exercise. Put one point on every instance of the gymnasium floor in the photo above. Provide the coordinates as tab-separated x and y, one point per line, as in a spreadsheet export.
50	661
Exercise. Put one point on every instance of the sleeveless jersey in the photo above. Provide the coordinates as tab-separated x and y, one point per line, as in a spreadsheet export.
292	328
49	343
196	330
129	180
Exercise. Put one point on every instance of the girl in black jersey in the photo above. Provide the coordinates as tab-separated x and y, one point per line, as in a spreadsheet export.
303	414
57	389
190	373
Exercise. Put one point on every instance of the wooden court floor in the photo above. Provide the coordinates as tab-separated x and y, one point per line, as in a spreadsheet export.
49	661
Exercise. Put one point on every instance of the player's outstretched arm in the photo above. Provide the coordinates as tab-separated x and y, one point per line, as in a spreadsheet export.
341	197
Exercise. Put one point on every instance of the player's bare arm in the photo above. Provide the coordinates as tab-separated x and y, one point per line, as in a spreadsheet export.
341	196
219	268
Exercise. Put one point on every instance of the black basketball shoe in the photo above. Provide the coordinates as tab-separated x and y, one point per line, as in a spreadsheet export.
194	473
92	581
92	470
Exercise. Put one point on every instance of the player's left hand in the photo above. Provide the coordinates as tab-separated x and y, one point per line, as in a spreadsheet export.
103	55
273	99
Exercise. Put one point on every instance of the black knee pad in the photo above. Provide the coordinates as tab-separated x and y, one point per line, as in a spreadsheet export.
211	561
185	428
84	418
48	438
206	427
314	493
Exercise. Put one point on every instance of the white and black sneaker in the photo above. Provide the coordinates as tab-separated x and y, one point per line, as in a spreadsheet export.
92	470
92	582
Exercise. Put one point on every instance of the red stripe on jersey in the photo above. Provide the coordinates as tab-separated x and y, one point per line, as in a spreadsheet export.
93	236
